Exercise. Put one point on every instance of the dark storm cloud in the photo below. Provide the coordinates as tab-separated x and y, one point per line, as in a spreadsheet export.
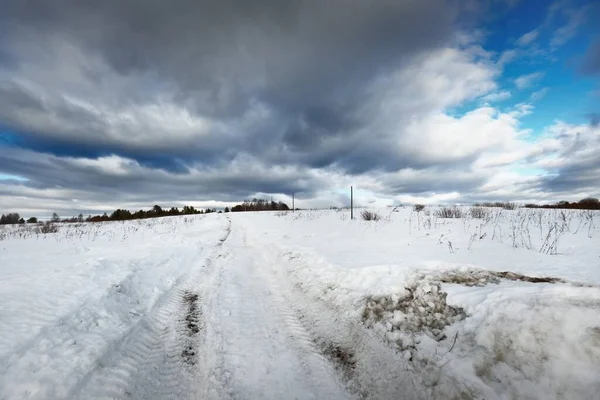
577	168
135	183
580	177
306	60
287	51
428	181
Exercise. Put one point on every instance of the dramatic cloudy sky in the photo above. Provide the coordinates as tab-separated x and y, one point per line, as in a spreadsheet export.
130	103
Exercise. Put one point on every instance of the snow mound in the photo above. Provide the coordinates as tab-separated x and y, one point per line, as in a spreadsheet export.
421	308
545	345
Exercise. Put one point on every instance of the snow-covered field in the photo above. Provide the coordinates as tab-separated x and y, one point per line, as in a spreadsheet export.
306	305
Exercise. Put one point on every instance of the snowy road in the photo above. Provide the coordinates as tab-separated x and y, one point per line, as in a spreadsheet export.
242	307
255	347
221	329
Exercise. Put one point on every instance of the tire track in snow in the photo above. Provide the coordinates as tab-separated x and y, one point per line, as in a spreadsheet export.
147	362
80	335
260	349
157	359
53	325
193	324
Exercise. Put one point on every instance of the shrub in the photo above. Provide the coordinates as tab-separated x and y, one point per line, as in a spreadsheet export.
370	216
418	207
507	205
449	212
478	212
47	227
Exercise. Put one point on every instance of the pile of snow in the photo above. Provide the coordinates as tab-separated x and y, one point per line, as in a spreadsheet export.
531	341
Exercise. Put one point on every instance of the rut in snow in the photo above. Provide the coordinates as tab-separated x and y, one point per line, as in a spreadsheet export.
193	326
159	358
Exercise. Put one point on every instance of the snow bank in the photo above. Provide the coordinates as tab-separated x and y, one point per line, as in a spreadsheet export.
499	337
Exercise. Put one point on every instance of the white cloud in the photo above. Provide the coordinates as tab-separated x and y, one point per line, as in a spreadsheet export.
520	110
575	18
507	56
539	94
108	165
528	38
443	137
497	96
430	198
435	82
525	81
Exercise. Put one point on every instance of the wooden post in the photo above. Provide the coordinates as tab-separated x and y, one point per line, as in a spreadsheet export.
351	203
293	202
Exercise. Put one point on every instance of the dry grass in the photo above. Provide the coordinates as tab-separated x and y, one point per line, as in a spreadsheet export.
449	212
478	212
507	205
370	216
47	227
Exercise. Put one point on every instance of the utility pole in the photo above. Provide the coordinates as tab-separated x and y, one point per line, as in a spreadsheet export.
293	202
351	203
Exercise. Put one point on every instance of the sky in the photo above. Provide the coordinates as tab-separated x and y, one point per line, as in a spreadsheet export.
131	103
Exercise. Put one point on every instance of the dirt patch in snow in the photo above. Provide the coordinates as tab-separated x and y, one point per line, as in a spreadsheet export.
343	357
192	317
422	308
483	277
192	325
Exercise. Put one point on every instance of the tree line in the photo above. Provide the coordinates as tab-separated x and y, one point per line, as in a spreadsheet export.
589	203
260	205
155	212
117	215
11	218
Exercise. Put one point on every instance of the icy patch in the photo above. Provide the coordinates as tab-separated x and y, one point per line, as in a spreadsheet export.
421	308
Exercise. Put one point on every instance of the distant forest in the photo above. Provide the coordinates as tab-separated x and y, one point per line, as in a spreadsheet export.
589	203
154	212
260	205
